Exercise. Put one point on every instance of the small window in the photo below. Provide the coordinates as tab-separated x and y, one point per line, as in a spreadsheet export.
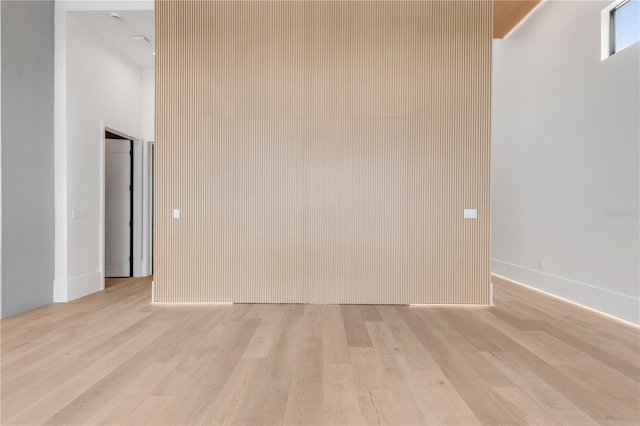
620	26
626	25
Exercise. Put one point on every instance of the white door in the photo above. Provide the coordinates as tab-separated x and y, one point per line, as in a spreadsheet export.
117	205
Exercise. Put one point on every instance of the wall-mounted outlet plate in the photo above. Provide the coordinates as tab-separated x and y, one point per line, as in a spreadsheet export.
78	213
470	213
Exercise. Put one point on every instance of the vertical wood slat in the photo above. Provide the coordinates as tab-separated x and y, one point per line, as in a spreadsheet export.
322	152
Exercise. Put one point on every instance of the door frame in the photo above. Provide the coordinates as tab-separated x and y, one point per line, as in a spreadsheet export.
136	201
148	208
129	144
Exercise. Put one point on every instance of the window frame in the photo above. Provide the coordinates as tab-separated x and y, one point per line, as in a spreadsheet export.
608	28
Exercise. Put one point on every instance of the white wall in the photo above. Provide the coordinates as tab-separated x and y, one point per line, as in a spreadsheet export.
79	266
148	132
564	150
148	104
103	89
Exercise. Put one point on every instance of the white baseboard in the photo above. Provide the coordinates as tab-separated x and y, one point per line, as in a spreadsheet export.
76	287
60	291
618	305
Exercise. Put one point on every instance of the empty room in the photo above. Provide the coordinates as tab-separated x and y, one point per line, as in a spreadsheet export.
320	212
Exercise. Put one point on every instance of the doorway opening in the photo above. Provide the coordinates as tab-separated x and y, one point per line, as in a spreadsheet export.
118	205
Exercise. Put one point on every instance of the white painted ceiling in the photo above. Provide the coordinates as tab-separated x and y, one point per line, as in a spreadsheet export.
118	34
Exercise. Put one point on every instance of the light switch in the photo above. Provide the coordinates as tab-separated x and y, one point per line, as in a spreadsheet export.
176	213
470	213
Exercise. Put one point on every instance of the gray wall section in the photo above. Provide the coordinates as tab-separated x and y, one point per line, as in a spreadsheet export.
27	155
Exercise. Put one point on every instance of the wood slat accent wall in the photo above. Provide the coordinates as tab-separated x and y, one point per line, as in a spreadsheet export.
322	152
509	13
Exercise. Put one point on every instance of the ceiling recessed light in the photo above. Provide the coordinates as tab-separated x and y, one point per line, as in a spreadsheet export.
116	16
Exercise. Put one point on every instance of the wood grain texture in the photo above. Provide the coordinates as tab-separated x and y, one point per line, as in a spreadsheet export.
322	152
507	14
117	359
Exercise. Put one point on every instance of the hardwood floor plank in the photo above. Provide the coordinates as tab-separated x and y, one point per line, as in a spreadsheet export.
269	401
368	371
81	408
464	352
517	354
72	388
457	363
605	354
614	388
600	329
48	345
409	396
305	401
34	385
230	406
446	401
369	313
206	386
127	400
357	335
239	311
418	357
155	410
523	407
182	341
554	403
334	344
462	322
339	397
202	351
377	407
260	344
519	359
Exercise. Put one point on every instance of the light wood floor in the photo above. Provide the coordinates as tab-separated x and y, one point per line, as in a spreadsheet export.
113	358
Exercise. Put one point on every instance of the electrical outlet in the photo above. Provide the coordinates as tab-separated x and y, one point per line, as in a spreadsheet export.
541	263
